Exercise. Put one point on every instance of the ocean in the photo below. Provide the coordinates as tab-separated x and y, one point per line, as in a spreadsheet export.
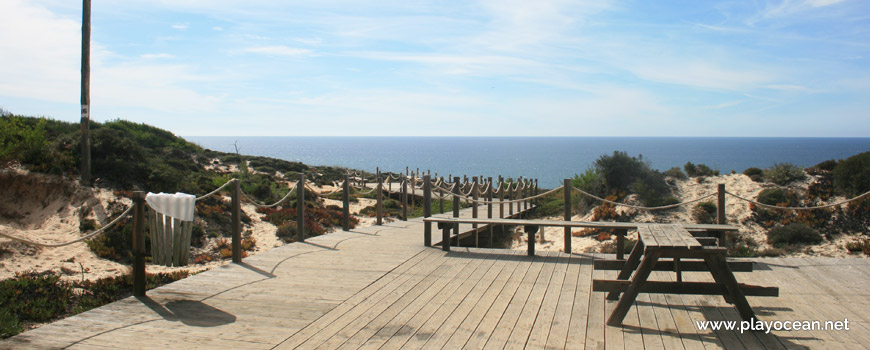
548	159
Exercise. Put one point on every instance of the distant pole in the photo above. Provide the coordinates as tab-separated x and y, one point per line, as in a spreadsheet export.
456	208
86	93
380	203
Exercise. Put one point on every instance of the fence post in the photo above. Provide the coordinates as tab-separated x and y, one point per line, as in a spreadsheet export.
441	200
139	244
474	196
380	204
510	197
537	192
527	190
300	208
489	208
501	197
721	205
569	209
345	200
427	210
235	205
456	208
405	199
413	193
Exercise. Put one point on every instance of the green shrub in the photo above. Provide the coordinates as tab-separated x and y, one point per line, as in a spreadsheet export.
287	231
704	213
852	175
676	173
755	174
793	233
784	173
772	196
620	173
693	170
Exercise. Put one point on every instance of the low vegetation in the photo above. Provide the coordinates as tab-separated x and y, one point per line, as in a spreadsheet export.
38	297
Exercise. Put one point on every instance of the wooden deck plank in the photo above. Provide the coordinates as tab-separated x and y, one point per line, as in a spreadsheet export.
558	335
667	325
544	321
595	316
454	320
474	318
577	327
490	320
503	330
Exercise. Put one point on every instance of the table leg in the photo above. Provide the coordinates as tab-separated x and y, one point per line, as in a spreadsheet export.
724	276
637	281
629	267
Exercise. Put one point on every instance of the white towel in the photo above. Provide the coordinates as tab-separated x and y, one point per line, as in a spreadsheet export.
178	205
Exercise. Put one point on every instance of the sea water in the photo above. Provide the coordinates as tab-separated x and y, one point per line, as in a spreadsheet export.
548	159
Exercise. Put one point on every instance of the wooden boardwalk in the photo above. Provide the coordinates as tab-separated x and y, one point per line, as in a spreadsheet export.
379	288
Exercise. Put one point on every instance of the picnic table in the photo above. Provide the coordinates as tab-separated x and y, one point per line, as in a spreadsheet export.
675	242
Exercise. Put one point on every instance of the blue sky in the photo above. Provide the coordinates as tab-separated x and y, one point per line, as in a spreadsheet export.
478	68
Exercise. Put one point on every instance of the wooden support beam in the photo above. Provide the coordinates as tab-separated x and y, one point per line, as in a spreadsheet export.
235	205
138	243
702	288
668	265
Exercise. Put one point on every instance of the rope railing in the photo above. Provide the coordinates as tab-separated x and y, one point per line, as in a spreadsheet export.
85	237
262	205
663	207
799	208
212	193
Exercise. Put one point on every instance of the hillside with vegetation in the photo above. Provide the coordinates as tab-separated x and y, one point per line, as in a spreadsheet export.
835	231
43	201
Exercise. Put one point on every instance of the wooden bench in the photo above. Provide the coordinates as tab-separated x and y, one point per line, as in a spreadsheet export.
531	227
657	241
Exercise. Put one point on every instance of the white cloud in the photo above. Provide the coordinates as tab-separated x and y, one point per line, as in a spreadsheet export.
217	29
278	50
151	56
180	26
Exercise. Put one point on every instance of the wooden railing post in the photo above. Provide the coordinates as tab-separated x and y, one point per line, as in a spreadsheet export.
235	206
456	208
489	207
441	200
536	192
413	193
501	197
380	204
300	208
510	197
345	201
138	244
566	187
405	199
427	210
527	190
721	205
474	196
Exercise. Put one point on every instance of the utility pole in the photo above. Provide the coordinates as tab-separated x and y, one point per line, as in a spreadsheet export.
86	93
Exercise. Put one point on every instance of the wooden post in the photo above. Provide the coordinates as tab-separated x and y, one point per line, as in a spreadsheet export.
380	204
139	244
536	192
530	231
235	205
500	197
527	190
441	200
86	95
510	197
489	208
721	205
427	210
413	193
569	210
474	195
405	199
620	243
300	208
456	208
345	201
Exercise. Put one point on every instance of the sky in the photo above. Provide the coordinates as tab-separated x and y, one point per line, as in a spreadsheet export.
447	68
